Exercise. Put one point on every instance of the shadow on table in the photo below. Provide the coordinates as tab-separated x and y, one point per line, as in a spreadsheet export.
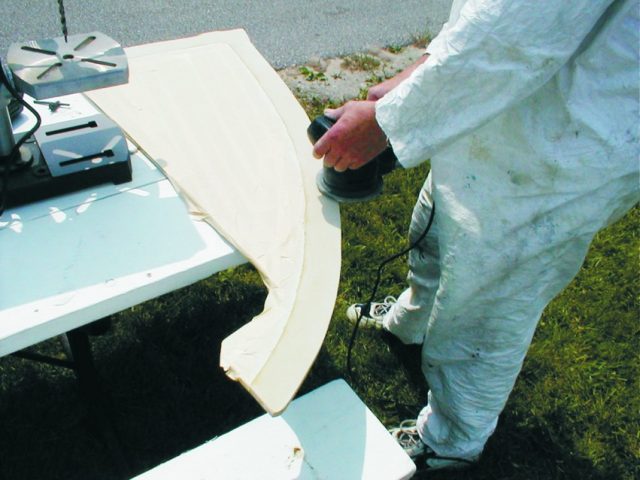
80	229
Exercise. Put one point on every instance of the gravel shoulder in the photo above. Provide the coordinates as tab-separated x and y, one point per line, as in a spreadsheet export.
344	78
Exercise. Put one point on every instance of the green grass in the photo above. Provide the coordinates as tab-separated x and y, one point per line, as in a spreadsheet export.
574	413
311	75
394	48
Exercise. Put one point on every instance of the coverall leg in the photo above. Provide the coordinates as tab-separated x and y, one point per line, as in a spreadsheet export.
477	288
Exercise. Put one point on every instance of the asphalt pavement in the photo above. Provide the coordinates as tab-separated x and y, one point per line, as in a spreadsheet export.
286	32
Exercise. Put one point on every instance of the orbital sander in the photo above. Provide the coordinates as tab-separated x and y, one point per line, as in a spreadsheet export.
360	185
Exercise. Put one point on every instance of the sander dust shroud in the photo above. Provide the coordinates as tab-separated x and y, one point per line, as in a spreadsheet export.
360	185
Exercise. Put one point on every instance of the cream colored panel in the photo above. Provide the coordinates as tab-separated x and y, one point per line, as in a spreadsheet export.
231	137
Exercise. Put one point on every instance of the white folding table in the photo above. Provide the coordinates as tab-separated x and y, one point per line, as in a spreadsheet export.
70	260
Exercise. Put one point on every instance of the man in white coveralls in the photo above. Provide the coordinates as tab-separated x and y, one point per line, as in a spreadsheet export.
529	113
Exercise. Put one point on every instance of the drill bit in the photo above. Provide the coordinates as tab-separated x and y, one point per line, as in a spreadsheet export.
63	20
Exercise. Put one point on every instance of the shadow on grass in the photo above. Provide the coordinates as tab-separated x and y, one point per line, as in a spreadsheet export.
523	453
519	449
159	366
169	396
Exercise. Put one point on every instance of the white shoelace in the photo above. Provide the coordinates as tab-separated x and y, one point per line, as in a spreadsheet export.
406	434
381	309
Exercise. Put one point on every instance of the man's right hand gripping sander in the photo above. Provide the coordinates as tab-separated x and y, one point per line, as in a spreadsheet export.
360	185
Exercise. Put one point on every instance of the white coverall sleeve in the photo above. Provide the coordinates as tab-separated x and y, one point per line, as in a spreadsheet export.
497	53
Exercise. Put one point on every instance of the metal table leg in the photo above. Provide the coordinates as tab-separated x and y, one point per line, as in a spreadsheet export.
80	359
98	402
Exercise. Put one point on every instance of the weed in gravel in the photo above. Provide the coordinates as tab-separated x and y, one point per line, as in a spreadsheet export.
312	75
395	49
360	62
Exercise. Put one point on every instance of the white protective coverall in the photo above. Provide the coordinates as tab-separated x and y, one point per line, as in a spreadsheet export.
529	113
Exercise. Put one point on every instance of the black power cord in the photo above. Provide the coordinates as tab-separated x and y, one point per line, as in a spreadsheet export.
9	161
365	308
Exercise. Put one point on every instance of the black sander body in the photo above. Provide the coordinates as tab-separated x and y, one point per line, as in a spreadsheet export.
357	185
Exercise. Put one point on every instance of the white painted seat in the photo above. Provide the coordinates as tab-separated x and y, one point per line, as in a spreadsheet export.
328	433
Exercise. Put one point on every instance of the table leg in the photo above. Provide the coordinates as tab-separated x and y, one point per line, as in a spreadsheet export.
95	397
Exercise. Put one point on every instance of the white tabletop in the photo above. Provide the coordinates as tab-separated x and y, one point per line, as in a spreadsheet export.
73	259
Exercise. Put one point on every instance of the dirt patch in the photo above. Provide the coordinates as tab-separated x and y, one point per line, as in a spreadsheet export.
345	78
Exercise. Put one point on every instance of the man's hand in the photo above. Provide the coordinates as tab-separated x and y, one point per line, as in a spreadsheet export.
355	139
380	90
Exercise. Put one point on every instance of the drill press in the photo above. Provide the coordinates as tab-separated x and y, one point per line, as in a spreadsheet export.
68	155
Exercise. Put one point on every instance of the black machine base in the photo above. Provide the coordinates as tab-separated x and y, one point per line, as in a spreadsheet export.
34	182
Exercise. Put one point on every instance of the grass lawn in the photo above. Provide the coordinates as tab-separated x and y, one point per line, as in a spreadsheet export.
574	413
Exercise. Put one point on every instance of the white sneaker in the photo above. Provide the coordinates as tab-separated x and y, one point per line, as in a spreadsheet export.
406	434
373	318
